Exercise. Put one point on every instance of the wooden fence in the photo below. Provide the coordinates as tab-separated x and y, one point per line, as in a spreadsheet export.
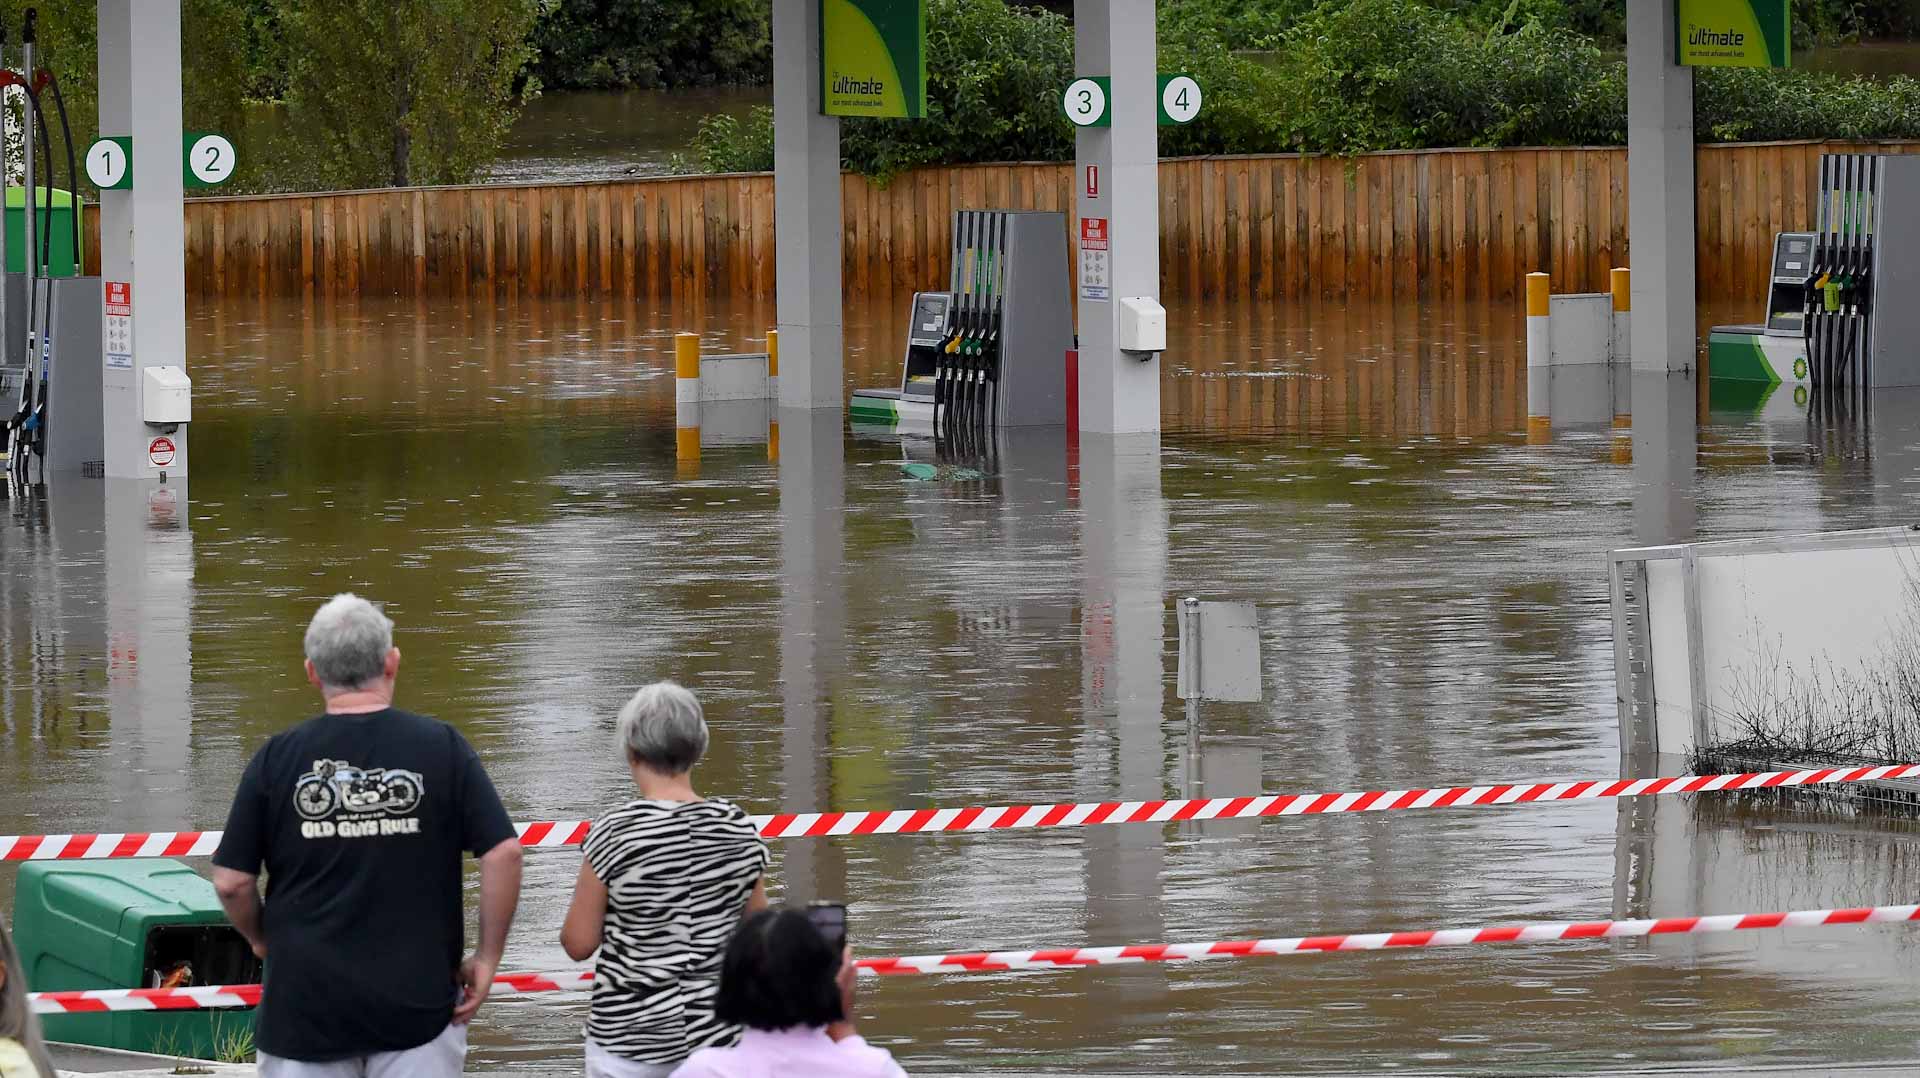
1464	224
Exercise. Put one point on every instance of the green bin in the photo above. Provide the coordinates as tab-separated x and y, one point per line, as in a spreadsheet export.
59	217
129	924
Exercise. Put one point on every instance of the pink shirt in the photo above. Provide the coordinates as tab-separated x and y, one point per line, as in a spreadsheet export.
792	1053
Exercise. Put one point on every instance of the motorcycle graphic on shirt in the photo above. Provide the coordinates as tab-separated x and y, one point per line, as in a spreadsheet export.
336	786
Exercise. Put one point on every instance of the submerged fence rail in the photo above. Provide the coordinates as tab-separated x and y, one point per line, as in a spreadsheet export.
1427	224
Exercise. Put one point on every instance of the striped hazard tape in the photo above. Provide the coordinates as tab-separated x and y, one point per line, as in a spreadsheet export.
514	984
548	834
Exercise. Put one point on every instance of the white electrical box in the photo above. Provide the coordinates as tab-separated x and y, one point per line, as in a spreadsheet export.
167	396
1143	325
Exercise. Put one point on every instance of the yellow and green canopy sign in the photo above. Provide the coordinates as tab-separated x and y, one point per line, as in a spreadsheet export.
873	58
1732	33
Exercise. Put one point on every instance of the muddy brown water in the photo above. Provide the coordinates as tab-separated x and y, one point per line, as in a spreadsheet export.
1432	603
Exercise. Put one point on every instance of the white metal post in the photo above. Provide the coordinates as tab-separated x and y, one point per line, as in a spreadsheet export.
1660	187
1119	392
140	97
806	215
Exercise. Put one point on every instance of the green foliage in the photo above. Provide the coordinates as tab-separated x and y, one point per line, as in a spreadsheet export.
994	77
1733	104
728	143
1397	74
212	99
1825	21
597	44
400	91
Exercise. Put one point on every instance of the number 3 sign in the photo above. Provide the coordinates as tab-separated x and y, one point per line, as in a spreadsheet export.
1086	102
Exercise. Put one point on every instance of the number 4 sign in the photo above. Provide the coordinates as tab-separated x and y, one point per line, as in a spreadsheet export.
1179	99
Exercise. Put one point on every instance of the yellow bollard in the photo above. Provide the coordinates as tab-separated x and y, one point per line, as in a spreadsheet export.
1622	281
773	441
686	367
1539	335
773	353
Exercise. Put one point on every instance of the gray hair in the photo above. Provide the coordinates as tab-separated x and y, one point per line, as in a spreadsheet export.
347	642
663	727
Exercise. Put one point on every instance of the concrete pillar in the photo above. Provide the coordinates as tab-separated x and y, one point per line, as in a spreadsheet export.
806	214
1123	752
1659	190
148	594
1119	393
813	638
140	97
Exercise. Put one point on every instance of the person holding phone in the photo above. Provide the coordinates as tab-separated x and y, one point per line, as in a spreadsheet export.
788	977
666	879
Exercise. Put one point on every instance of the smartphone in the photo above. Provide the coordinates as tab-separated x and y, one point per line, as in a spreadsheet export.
831	919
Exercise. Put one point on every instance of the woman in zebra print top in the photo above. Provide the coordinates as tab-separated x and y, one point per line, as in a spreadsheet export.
666	880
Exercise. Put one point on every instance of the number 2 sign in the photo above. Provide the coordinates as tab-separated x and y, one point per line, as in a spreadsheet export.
209	159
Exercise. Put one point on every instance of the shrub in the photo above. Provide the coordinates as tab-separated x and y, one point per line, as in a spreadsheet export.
994	77
1351	76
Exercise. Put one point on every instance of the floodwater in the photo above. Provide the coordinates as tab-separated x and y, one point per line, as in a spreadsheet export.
1432	604
613	134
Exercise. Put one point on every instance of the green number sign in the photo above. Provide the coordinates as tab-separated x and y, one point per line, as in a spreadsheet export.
1085	101
208	159
1179	98
110	163
1732	33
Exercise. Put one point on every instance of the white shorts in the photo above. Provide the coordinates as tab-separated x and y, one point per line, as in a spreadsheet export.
442	1057
604	1064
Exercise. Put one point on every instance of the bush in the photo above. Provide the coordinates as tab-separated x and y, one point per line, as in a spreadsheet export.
727	143
994	78
1733	104
602	44
1351	76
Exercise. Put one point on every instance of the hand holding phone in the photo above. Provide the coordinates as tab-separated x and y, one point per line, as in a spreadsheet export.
831	919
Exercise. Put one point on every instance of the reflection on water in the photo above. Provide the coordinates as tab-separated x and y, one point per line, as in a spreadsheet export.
612	134
1433	608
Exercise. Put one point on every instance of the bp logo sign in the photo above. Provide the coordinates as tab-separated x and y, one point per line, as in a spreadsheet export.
1732	33
1800	367
873	58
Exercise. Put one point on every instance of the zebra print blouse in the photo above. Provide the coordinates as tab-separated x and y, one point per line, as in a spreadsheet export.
678	875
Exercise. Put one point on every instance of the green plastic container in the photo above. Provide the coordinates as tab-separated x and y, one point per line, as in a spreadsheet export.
128	924
61	261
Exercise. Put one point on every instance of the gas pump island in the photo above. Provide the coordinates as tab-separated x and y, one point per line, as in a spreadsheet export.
86	387
992	351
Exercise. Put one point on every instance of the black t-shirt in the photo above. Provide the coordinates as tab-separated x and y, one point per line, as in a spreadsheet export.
360	821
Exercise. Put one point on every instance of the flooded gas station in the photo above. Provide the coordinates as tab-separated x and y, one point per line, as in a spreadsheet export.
1431	590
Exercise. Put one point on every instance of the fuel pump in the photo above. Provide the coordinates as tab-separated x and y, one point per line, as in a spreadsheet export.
1003	327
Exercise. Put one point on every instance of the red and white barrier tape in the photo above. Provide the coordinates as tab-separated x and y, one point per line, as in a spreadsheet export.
513	984
547	834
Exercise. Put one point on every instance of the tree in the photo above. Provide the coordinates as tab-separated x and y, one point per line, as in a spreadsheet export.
598	44
401	92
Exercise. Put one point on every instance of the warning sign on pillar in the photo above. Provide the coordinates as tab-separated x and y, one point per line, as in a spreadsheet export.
117	326
1095	276
160	452
1093	181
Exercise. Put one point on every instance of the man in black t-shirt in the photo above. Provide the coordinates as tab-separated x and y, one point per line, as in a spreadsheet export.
361	817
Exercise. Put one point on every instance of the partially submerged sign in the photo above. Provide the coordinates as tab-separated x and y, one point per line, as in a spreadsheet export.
873	58
1732	33
1219	651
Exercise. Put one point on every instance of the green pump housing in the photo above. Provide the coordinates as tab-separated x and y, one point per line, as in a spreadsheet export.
128	924
62	260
